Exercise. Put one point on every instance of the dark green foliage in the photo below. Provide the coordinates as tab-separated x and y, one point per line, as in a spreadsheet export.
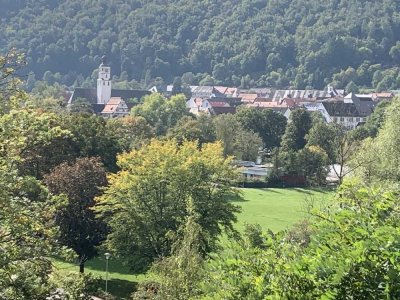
288	43
237	141
253	235
161	113
79	228
158	187
91	137
269	125
295	133
189	128
374	122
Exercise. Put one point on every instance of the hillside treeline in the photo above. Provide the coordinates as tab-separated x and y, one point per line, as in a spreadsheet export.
280	43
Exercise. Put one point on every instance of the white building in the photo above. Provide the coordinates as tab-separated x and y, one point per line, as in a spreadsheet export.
104	82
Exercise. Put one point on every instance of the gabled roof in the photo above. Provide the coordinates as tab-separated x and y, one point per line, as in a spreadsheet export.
91	94
218	103
224	110
220	89
230	101
114	101
203	89
113	104
383	95
248	97
289	102
341	109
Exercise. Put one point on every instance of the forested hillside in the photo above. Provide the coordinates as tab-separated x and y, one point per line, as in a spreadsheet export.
244	43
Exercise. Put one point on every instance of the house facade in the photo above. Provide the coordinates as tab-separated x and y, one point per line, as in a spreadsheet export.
115	107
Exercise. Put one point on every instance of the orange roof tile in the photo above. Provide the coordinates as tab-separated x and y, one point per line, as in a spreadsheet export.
246	97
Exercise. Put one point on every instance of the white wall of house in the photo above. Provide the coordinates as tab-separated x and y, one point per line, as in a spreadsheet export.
349	122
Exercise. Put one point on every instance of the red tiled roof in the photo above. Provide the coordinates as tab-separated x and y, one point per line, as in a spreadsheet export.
383	95
231	90
246	97
221	89
114	101
112	105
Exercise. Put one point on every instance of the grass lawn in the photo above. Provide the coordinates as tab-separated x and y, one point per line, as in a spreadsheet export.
121	281
277	209
274	209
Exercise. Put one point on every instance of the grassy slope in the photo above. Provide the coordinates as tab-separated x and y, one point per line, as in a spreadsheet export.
274	209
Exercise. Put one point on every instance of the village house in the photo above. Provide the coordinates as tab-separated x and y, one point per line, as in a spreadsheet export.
115	107
345	114
212	106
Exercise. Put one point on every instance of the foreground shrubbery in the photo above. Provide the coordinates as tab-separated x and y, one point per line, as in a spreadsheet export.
348	249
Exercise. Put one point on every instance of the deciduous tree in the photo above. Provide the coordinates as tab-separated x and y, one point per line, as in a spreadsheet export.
81	183
269	125
149	199
295	133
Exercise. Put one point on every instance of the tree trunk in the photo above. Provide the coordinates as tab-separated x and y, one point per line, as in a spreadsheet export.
82	267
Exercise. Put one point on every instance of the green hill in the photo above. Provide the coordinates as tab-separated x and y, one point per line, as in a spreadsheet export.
246	43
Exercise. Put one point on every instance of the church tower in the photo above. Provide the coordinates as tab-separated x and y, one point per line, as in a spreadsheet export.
104	82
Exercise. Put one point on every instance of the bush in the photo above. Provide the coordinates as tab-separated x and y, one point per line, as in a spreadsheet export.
74	285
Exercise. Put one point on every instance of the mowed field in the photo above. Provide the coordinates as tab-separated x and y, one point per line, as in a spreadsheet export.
274	209
278	209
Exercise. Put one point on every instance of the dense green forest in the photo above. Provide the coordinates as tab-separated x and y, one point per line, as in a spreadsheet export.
248	43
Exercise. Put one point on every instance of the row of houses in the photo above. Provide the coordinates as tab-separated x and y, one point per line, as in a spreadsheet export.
349	110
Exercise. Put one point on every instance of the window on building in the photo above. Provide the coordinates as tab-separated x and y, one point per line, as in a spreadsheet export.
357	119
341	119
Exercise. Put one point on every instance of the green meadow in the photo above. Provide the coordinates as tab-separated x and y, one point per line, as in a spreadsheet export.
278	209
274	209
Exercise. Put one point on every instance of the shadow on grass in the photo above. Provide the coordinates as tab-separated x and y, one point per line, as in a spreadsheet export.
271	190
122	289
322	190
307	191
233	197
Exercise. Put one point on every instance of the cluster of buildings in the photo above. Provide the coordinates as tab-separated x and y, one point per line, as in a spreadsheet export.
105	100
349	110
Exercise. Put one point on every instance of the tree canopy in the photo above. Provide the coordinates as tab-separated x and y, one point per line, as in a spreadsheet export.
81	182
158	185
